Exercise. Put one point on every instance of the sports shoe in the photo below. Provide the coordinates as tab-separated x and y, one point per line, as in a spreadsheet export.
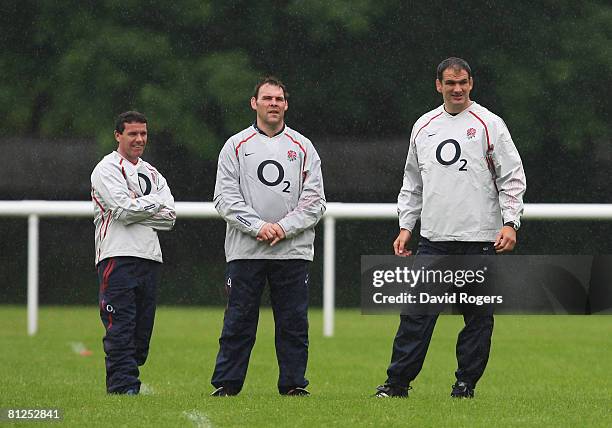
130	391
223	391
462	390
296	392
389	391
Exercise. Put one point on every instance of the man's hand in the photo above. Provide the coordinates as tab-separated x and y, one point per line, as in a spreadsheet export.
280	234
165	214
271	232
399	245
267	232
505	240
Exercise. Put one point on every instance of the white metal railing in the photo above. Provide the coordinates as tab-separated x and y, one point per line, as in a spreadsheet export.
33	210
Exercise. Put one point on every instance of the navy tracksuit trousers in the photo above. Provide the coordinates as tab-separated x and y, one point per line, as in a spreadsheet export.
245	281
127	309
415	331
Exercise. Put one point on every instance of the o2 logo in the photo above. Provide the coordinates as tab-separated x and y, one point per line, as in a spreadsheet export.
450	159
274	169
144	180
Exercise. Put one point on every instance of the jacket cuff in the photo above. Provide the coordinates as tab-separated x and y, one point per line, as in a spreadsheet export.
288	232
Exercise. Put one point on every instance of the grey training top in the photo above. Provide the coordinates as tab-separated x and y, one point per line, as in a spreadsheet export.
463	177
131	203
269	179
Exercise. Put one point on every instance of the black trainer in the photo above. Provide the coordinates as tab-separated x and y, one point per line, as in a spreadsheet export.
296	392
462	390
223	391
130	391
386	390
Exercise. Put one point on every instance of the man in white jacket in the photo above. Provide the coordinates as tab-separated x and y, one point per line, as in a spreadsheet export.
269	190
464	180
132	201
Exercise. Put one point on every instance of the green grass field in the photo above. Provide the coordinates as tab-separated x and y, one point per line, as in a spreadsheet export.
543	371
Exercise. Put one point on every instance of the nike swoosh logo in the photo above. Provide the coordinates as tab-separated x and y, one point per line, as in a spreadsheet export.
431	135
249	154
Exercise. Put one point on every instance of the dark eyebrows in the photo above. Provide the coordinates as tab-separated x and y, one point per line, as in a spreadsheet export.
269	97
452	82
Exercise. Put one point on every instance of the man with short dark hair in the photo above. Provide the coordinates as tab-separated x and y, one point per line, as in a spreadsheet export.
132	201
464	180
269	190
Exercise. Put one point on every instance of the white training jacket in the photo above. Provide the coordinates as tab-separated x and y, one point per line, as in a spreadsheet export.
269	179
463	177
131	203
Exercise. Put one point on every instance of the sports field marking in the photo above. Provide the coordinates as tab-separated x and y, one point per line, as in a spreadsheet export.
146	389
199	419
80	349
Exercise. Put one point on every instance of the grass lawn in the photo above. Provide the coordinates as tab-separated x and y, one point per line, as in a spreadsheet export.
543	371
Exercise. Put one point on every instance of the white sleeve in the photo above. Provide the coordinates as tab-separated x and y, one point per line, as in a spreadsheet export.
311	204
166	217
410	198
228	198
110	184
510	176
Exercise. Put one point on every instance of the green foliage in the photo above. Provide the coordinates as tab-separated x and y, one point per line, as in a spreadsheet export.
99	61
355	68
552	91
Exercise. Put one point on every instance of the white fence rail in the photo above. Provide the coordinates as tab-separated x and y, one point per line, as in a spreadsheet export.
33	210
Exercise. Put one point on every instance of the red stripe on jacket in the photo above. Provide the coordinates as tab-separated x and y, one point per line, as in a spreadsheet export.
108	219
304	151
93	197
488	157
428	122
244	141
489	147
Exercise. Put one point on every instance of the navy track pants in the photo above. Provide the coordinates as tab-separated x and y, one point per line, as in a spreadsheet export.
245	281
414	333
127	308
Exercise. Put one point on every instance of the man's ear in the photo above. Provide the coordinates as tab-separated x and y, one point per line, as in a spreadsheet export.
438	86
253	103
